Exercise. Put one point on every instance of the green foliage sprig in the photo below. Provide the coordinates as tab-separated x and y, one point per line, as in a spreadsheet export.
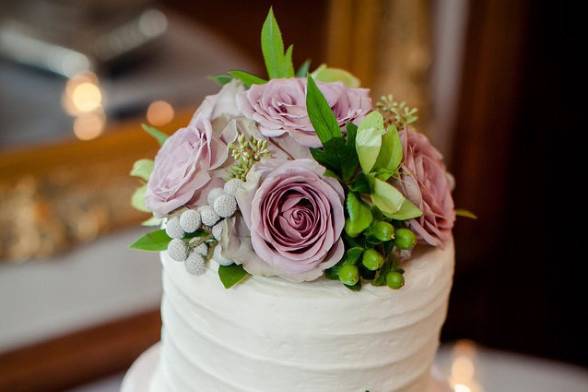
364	159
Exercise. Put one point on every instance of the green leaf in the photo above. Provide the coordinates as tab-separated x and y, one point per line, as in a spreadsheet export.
153	221
361	184
321	116
161	137
369	141
138	199
326	158
288	64
337	156
360	215
329	75
372	120
465	213
386	197
351	134
232	274
302	71
247	78
221	79
390	154
272	48
142	169
407	211
155	241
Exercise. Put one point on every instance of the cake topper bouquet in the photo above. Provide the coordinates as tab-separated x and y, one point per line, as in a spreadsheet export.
299	176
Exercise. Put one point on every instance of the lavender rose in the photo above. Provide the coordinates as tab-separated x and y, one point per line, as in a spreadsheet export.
295	218
279	107
182	168
425	181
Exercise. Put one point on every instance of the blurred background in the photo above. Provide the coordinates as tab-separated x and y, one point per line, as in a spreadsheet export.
77	77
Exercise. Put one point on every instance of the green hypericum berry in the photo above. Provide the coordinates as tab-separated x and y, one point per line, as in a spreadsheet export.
349	275
394	280
405	239
382	231
372	259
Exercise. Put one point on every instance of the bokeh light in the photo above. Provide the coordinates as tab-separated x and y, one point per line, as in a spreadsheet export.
89	126
160	113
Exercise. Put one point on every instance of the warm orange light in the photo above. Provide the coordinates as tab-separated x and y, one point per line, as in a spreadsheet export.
160	113
89	126
82	94
86	97
463	368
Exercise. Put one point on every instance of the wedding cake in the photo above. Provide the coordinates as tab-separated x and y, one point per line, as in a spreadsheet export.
305	238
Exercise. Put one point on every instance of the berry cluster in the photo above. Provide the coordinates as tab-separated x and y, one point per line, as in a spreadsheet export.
196	233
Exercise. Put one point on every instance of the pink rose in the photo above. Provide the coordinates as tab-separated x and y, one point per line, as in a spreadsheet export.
425	181
182	173
279	107
295	217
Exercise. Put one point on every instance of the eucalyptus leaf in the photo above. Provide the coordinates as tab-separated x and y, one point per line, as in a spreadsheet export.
360	215
221	79
247	78
390	154
158	135
302	71
155	241
329	75
142	169
386	197
320	113
232	274
138	199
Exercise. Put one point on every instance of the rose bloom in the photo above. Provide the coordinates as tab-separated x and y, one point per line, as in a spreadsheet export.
294	217
425	181
279	107
184	166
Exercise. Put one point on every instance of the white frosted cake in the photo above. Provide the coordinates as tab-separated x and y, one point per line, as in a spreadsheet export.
305	236
273	335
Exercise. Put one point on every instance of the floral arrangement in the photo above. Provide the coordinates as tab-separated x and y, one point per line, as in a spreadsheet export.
299	176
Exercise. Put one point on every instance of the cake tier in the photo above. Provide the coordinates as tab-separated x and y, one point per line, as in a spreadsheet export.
268	335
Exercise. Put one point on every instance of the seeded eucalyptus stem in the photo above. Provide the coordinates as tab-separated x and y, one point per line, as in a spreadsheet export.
395	112
247	151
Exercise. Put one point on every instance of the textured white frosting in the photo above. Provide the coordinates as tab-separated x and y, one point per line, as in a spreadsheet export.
269	335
